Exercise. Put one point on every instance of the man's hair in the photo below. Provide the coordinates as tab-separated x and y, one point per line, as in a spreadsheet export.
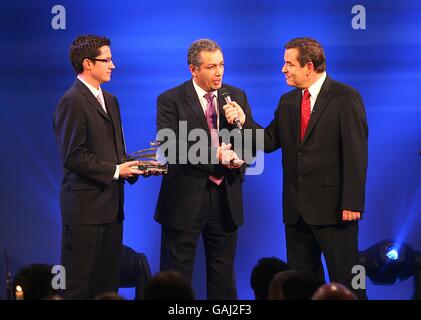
35	281
193	54
309	50
84	47
168	285
294	285
263	273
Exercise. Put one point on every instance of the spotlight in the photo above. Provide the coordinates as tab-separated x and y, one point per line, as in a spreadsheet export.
392	253
389	262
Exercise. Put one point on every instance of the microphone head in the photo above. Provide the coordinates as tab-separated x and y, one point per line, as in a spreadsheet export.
225	94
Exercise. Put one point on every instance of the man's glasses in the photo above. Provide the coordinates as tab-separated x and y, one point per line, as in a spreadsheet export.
108	60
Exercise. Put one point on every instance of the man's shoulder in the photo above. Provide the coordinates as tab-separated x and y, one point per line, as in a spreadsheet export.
72	93
175	91
291	94
342	89
74	97
232	90
108	94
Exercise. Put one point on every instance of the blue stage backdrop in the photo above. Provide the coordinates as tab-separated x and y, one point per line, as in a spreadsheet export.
149	44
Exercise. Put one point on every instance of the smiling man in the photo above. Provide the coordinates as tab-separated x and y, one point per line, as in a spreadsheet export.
87	126
206	197
322	129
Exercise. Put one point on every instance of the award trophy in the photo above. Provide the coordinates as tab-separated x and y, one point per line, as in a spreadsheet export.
149	159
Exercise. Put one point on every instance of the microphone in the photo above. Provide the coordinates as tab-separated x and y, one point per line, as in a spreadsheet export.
225	94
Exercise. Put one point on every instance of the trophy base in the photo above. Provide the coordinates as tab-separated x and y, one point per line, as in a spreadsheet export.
161	169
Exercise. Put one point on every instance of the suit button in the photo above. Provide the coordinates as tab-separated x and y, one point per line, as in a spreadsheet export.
300	154
300	178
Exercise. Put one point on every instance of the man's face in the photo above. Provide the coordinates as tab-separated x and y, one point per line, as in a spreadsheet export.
295	75
209	74
101	70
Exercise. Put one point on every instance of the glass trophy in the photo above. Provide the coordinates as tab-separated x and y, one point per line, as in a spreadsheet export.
150	159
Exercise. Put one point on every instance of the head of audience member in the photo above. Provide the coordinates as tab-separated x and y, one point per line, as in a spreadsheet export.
304	62
294	285
168	285
35	281
109	296
333	291
206	64
263	273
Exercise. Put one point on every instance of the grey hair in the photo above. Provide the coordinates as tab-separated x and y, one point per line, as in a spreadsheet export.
193	55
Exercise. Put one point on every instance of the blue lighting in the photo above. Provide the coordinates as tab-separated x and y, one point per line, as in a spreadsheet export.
392	253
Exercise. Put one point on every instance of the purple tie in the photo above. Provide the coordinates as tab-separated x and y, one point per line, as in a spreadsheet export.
211	119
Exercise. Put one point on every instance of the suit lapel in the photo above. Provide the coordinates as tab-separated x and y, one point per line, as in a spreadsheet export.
295	114
112	110
321	103
92	101
194	104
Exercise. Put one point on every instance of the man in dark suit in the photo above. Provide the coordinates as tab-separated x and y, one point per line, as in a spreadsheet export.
322	129
202	197
87	126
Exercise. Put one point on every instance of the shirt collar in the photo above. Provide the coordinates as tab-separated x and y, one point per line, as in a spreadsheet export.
315	88
94	91
200	92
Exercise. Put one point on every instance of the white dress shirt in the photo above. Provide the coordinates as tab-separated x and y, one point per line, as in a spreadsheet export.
315	88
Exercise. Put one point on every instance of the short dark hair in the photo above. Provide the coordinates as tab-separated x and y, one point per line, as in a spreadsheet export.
193	54
168	285
309	50
84	47
35	281
300	285
263	273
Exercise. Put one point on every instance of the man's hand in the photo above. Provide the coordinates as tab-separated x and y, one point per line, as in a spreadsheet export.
151	171
129	169
233	111
348	215
228	157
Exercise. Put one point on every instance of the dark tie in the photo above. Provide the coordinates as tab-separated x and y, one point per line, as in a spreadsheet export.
211	119
305	113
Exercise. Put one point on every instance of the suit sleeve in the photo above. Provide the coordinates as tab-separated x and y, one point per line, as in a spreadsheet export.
71	128
271	139
354	135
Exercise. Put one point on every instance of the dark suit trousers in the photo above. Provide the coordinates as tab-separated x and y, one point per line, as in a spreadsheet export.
178	248
91	255
338	243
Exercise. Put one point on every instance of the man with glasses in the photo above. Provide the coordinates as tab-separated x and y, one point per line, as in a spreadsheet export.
87	126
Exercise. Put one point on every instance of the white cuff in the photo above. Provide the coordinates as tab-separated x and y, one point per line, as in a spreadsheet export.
116	173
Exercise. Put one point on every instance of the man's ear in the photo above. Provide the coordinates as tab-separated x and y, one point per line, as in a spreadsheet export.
87	64
193	70
310	67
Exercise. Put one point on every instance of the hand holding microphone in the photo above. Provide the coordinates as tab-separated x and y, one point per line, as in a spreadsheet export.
233	112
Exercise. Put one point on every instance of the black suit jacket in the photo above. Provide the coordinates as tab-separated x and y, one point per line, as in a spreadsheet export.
91	144
326	172
182	189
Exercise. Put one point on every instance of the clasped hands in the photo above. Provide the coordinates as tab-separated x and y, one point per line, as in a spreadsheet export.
228	157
